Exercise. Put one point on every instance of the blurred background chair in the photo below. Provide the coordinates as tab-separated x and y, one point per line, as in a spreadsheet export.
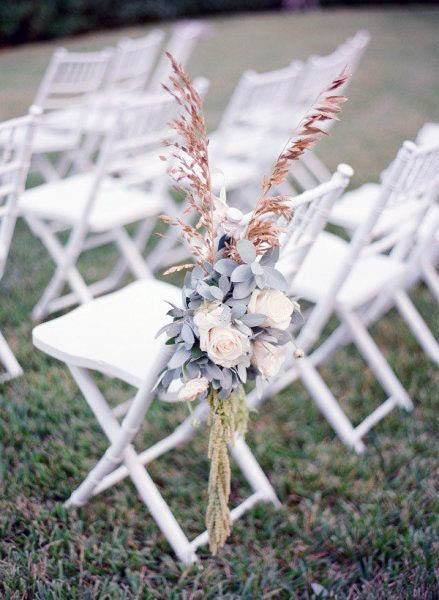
15	152
95	206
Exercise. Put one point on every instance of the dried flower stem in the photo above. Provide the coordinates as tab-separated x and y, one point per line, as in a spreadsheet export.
190	168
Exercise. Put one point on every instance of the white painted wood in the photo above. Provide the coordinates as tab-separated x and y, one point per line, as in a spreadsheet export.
103	200
15	152
115	335
183	41
70	82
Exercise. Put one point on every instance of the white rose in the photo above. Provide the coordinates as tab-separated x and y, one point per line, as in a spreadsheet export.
193	388
268	358
275	305
226	346
210	314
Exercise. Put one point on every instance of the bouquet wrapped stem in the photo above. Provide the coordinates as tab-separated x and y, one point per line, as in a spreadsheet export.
227	418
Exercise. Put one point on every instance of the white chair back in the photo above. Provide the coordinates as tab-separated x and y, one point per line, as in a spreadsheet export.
184	38
258	97
15	150
319	71
72	77
133	62
311	210
413	172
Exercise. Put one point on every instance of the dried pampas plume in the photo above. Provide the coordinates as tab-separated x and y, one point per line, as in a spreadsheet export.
190	162
308	133
262	230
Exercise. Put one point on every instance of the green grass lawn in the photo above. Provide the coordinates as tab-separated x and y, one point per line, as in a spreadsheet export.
359	527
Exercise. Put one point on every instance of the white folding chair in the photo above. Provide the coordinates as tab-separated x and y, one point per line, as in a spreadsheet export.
16	139
317	73
70	82
182	43
115	336
355	206
97	205
253	113
346	280
428	136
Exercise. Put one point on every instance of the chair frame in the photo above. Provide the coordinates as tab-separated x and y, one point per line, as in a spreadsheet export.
114	156
413	168
14	163
70	81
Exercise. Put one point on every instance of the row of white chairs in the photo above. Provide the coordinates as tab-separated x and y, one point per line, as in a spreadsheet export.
96	206
393	244
77	87
115	335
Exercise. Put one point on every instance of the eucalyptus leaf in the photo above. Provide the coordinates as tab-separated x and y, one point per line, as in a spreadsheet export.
271	257
216	292
246	251
177	313
242	290
226	379
187	335
242	372
274	279
224	284
225	266
194	304
179	358
253	320
214	371
193	370
224	393
241	274
256	268
168	378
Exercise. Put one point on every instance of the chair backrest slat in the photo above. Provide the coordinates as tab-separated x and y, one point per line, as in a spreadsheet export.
406	175
311	210
71	77
258	97
15	151
133	62
181	44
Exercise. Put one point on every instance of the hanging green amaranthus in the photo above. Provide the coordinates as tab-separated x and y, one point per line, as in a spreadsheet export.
228	418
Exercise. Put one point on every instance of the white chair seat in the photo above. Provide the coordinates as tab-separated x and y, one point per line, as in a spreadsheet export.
368	276
64	201
354	207
114	334
46	139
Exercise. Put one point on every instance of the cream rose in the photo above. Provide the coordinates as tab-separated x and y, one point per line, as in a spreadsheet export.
268	358
226	346
192	389
207	316
275	305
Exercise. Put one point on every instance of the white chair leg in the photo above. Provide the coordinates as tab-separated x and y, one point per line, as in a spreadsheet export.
46	169
376	360
9	361
132	255
252	471
431	279
417	325
66	272
328	405
122	451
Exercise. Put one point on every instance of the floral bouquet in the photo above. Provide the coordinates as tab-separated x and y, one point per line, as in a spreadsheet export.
236	314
